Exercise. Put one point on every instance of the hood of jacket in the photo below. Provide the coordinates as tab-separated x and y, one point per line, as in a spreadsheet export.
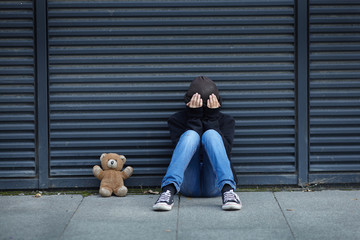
205	87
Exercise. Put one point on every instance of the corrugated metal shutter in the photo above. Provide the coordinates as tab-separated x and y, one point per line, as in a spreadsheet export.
334	91
17	92
119	69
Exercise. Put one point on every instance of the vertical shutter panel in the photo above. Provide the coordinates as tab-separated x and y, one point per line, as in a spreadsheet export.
334	90
119	69
17	91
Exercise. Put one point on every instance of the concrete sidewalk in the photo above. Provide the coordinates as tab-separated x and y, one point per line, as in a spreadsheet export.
329	214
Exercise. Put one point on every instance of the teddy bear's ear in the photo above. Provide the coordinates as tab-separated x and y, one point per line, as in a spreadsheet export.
123	158
102	156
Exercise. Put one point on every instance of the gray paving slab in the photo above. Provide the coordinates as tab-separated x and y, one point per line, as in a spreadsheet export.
322	215
260	218
129	217
27	217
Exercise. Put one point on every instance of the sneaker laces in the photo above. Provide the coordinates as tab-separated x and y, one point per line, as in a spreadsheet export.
165	196
230	196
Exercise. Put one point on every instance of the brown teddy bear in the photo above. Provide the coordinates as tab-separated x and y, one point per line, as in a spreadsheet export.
112	178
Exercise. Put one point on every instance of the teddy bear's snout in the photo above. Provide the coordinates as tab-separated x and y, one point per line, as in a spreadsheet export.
112	163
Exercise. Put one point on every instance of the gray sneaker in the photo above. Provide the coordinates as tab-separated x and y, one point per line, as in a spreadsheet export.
165	202
231	201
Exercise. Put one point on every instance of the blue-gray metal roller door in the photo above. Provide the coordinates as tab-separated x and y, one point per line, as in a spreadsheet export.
334	91
17	96
119	69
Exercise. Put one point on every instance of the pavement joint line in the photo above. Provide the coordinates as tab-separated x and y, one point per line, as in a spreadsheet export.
67	224
177	219
282	212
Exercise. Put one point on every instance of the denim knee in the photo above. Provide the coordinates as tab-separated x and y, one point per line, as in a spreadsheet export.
191	135
210	135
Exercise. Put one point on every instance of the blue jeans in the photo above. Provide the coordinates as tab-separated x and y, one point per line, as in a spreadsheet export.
193	177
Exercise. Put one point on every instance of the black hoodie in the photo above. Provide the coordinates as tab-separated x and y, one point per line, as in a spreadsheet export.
203	118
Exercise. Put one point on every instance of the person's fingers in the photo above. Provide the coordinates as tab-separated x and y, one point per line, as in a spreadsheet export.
213	102
199	101
193	98
217	101
195	101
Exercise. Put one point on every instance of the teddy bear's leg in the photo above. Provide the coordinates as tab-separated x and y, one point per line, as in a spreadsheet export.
105	191
121	191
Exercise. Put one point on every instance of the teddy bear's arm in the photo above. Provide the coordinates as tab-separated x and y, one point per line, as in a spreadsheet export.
98	172
127	172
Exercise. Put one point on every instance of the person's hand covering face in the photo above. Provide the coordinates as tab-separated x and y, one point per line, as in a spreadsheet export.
212	102
197	102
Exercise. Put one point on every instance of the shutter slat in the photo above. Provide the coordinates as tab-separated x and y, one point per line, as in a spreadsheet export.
102	143
335	121
335	168
165	59
335	158
265	169
183	4
259	48
191	21
153	12
148	33
337	48
152	69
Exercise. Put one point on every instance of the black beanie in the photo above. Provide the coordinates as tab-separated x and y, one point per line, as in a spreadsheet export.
205	87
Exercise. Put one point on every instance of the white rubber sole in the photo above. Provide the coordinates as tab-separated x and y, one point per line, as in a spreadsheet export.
162	207
231	206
